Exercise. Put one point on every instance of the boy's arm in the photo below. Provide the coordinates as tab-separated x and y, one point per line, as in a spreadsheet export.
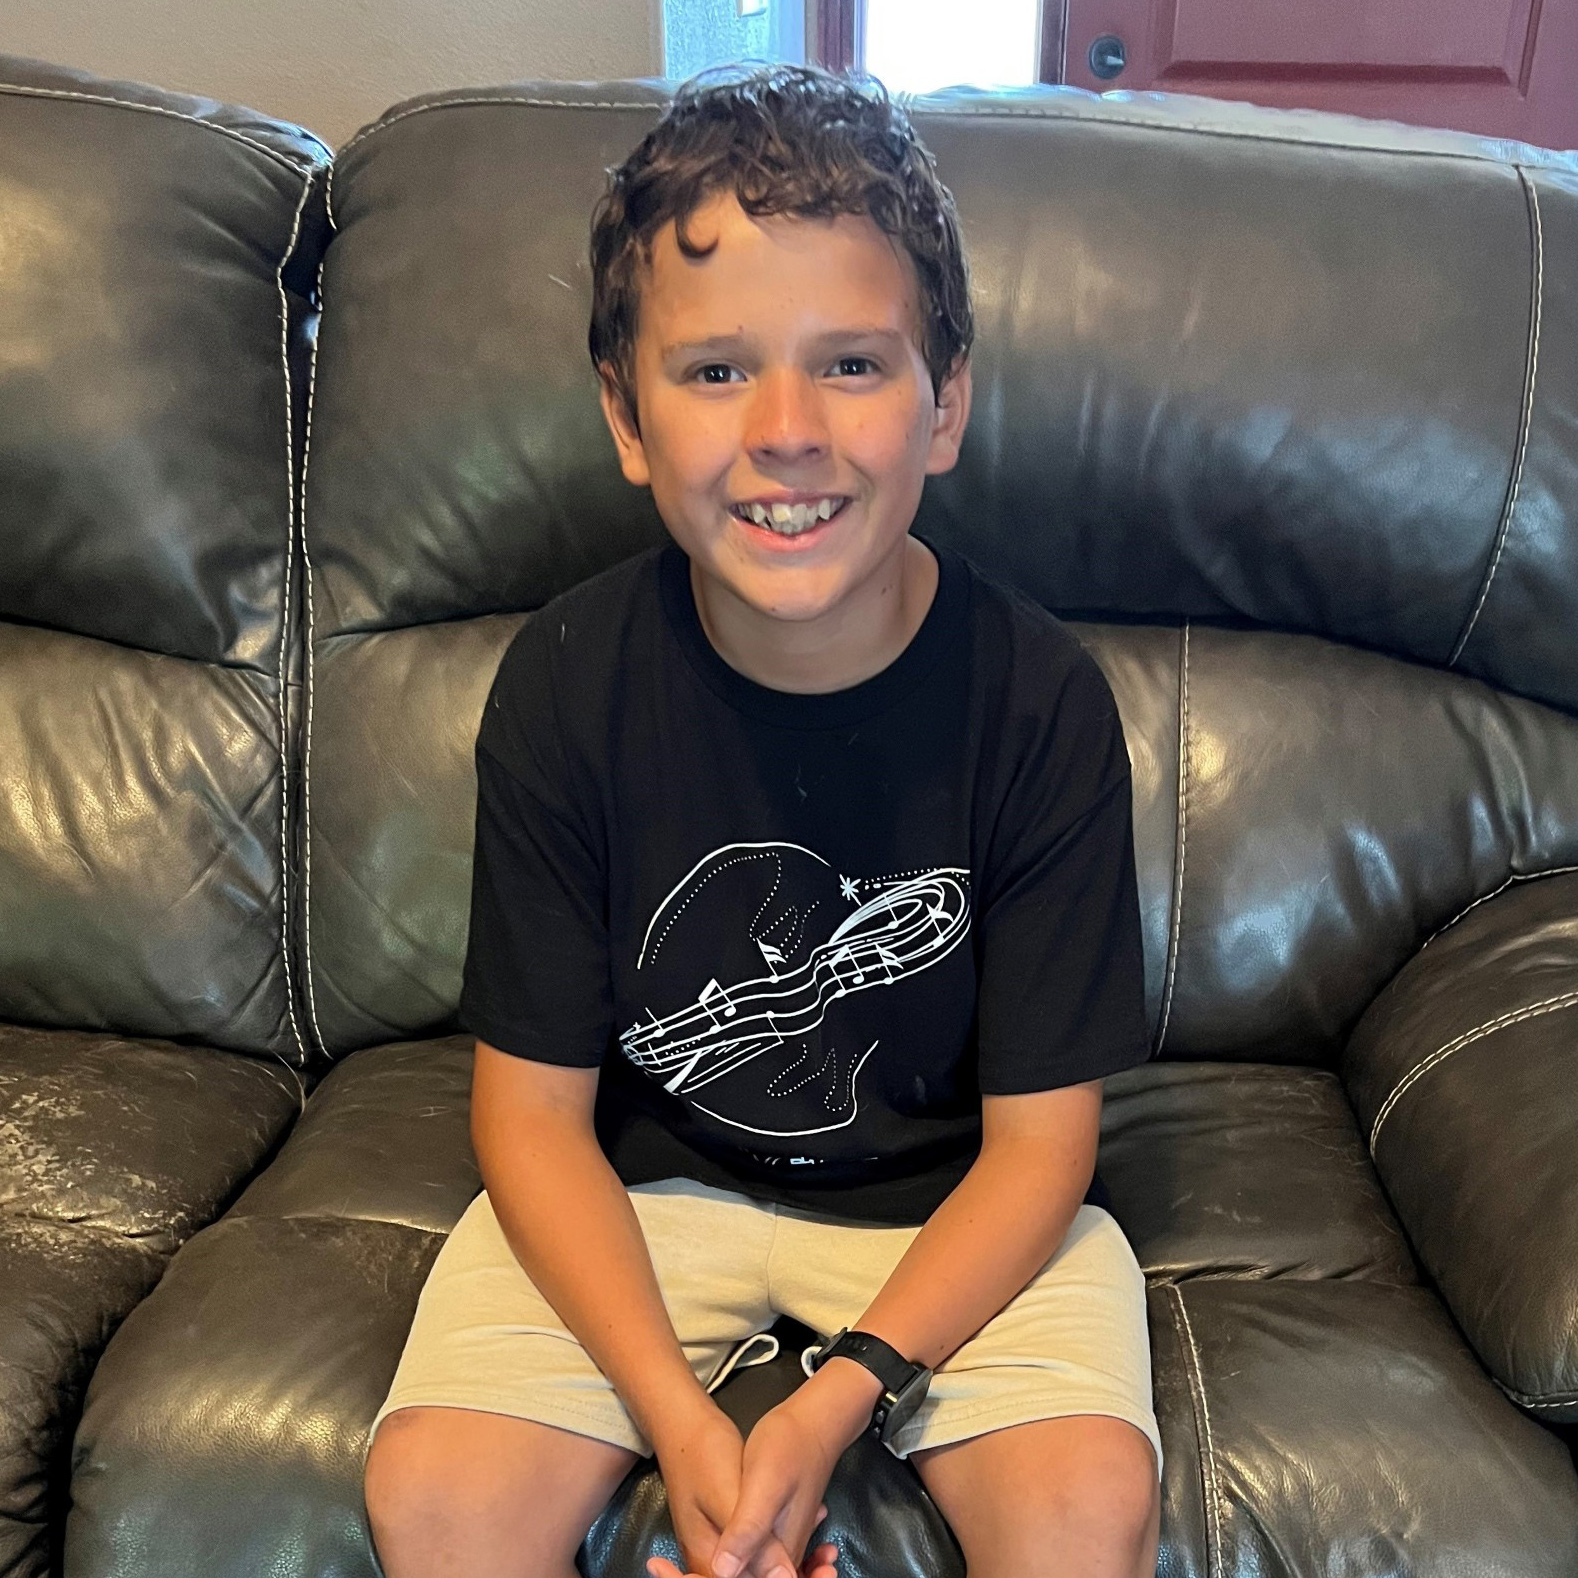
569	1221
1004	1220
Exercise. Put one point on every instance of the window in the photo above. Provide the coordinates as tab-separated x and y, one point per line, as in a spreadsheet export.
917	45
702	33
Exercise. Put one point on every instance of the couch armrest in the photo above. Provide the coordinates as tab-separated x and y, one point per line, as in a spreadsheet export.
1464	1077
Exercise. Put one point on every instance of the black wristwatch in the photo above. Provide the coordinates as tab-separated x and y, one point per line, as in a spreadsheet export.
903	1384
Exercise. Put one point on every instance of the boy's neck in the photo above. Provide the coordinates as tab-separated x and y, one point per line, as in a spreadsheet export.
848	644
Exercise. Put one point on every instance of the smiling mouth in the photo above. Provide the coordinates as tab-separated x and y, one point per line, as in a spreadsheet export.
790	520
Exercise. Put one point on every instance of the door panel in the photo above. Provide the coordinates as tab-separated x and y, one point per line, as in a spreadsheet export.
1503	68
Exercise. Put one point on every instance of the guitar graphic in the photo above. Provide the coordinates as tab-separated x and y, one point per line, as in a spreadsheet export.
757	1052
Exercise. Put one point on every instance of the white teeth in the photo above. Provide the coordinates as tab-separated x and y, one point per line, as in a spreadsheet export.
789	520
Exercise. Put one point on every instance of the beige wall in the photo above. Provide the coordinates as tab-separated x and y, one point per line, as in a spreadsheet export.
333	65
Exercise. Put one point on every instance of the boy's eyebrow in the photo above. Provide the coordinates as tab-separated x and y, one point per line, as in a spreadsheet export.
738	342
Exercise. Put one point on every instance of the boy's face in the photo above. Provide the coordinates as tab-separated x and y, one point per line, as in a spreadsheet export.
783	368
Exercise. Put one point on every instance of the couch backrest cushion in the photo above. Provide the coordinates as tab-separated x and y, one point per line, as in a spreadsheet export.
155	254
1232	368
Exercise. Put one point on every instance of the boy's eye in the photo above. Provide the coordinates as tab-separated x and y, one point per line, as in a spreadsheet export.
714	373
855	366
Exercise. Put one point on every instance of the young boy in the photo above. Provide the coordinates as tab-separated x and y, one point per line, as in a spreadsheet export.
804	930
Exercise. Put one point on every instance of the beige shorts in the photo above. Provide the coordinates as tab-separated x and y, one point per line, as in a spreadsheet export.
1074	1341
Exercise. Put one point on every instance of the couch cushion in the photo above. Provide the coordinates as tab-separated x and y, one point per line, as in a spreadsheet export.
1312	1398
1381	465
153	337
1332	808
1247	1170
112	1152
1347	468
1462	1079
1337	807
227	1422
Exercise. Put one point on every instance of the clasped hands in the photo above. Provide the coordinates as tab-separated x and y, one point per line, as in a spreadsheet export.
747	1508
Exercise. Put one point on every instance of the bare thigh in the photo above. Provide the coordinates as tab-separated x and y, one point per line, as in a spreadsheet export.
454	1491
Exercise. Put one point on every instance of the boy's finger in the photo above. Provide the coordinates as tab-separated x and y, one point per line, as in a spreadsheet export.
772	1561
822	1562
749	1530
662	1567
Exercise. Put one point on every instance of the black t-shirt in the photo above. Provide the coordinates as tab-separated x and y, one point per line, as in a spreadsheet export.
802	934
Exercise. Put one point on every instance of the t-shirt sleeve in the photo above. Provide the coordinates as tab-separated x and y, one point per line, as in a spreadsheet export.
536	981
1062	984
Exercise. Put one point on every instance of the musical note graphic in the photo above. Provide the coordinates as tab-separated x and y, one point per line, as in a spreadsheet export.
905	926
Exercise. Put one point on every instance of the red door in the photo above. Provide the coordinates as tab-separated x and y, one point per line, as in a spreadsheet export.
1503	68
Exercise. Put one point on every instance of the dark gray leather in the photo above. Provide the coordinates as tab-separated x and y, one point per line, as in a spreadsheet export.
153	325
1277	409
1461	1073
152	338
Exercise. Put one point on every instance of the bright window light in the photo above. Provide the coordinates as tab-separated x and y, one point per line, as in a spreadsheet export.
917	45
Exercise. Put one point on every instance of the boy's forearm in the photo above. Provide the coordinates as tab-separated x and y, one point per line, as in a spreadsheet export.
1005	1219
569	1221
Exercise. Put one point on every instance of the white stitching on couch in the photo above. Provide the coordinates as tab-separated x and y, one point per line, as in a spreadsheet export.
1211	129
1183	838
306	763
1549	1006
155	109
1527	1402
1211	1490
1516	876
284	626
997	112
1504	526
1523	1400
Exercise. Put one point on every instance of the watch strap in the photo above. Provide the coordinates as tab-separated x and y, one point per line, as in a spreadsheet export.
881	1358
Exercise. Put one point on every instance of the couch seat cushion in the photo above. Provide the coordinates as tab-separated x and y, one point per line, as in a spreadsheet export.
112	1152
1319	1411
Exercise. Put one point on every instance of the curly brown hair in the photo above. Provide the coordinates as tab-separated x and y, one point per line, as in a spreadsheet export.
784	139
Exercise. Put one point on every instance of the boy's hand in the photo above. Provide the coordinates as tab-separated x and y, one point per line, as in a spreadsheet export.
819	1564
784	1471
700	1461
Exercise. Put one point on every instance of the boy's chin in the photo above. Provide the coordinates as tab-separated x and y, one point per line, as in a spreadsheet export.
790	593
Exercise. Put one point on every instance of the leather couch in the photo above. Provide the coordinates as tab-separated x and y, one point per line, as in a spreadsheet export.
1278	409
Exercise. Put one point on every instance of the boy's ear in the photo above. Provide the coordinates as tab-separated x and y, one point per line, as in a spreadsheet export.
627	439
949	421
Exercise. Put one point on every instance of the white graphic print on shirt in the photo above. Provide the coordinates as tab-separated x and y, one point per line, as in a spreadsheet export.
761	1036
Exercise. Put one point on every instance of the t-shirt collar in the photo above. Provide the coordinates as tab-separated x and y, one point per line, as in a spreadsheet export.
940	628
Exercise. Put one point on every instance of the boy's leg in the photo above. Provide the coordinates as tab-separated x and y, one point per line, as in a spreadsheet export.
494	1402
1049	1404
459	1493
1078	1494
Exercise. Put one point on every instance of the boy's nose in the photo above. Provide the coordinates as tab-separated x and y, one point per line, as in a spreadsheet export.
786	418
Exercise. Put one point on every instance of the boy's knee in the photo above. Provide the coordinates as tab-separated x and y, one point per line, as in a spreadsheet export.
508	1494
1114	1495
1105	1495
